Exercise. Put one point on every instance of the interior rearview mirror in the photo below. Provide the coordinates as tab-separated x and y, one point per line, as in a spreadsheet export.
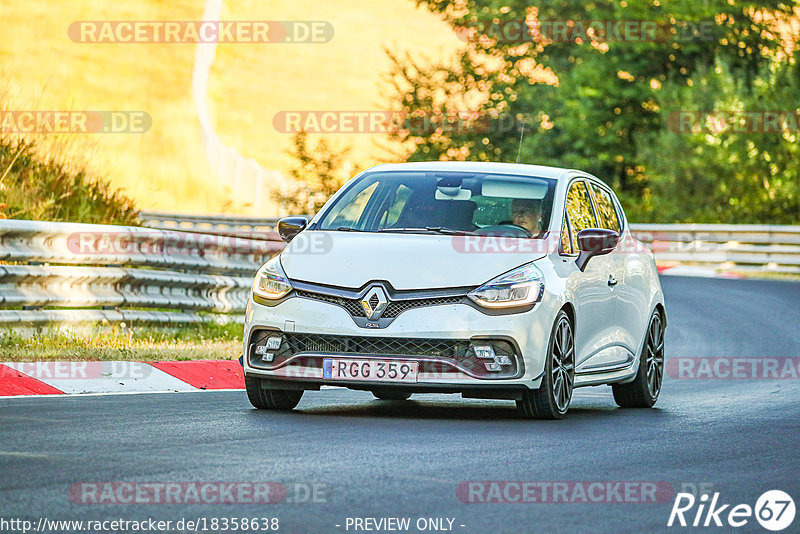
288	227
595	242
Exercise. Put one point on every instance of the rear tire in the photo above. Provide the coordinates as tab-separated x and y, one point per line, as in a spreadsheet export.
391	394
551	400
268	398
643	391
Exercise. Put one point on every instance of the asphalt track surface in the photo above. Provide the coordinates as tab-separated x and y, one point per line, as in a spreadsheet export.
406	459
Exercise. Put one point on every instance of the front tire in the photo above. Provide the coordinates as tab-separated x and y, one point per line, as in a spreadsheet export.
268	398
643	391
551	400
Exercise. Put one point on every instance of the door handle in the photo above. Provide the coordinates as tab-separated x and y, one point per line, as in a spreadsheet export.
611	280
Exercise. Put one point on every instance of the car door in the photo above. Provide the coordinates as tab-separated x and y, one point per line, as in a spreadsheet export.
629	292
594	298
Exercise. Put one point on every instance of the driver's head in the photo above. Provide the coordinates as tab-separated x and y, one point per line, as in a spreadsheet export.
527	213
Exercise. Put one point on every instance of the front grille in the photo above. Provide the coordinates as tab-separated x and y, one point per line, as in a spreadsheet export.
353	306
393	309
396	307
443	354
390	346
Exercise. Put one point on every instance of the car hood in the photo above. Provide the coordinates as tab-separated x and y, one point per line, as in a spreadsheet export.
406	261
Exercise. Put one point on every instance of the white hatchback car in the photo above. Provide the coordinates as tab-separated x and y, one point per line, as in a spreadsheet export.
490	280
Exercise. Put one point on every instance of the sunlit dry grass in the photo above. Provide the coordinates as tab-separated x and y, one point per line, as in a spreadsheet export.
55	177
165	168
250	84
161	169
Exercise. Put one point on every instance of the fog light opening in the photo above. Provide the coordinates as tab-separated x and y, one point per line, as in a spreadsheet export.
502	360
484	351
268	348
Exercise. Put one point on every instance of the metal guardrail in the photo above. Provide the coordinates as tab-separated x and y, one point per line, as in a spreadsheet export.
740	247
230	225
67	272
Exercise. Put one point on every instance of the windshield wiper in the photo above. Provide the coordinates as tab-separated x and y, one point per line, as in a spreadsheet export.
430	229
448	231
348	229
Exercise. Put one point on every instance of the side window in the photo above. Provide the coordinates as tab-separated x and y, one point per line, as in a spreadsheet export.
579	209
566	242
606	211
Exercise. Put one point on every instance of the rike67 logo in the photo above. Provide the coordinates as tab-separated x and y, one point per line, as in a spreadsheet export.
774	510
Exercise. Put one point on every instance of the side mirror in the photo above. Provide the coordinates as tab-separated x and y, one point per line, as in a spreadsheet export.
288	227
595	242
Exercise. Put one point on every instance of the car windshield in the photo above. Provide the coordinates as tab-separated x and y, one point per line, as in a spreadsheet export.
443	203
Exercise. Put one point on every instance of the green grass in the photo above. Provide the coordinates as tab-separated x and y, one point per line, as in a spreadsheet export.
195	342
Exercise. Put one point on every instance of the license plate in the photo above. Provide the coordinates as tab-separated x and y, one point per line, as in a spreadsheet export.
369	370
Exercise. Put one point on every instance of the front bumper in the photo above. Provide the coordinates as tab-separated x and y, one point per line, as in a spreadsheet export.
431	328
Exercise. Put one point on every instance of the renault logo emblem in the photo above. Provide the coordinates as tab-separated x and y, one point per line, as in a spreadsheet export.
374	303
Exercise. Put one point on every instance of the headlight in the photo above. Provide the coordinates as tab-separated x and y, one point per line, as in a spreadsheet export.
524	285
271	282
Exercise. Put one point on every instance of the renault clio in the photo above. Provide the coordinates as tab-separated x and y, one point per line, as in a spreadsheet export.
488	280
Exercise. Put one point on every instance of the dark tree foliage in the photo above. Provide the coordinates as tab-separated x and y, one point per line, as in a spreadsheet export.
612	109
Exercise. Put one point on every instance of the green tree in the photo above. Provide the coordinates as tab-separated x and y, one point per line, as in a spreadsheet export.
318	174
612	99
712	173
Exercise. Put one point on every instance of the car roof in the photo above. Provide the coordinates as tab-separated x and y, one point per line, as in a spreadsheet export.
539	171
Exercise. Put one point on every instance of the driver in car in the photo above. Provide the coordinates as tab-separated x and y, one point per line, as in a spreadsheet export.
527	213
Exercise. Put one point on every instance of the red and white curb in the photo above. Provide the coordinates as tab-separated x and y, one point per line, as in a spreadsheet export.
698	272
58	378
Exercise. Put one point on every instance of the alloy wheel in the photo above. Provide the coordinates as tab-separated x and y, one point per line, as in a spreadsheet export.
563	364
654	352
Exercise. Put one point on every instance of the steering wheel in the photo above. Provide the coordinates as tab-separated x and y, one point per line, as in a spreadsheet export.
498	228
